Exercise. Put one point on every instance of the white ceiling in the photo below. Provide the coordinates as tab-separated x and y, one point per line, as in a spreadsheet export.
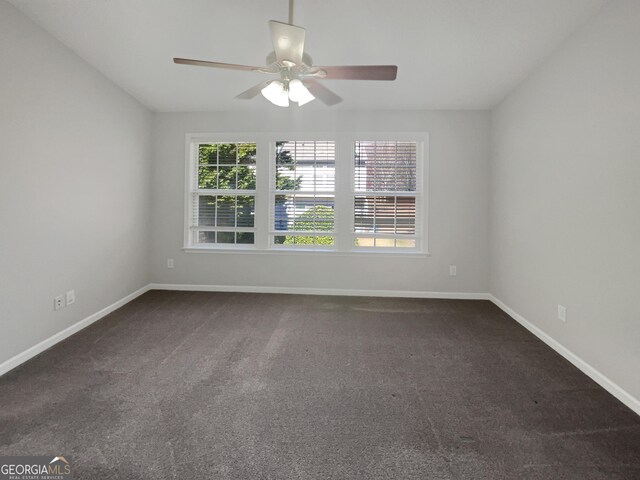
451	54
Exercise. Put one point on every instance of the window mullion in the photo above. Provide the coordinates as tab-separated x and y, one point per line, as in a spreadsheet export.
265	168
191	176
344	193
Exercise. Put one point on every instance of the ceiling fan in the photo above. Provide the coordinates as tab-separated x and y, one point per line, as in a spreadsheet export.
298	76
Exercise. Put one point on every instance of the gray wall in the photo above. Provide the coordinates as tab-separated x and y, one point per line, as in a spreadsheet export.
74	186
565	195
458	207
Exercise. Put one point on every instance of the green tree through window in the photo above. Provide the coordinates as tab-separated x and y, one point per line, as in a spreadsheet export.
318	218
227	166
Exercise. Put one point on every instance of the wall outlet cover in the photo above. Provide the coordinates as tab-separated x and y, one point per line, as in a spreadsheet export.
562	313
58	302
71	297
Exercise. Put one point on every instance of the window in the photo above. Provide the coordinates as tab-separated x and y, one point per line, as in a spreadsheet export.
385	193
223	194
303	198
336	192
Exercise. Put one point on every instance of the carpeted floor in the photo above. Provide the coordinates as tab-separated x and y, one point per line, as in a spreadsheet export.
187	385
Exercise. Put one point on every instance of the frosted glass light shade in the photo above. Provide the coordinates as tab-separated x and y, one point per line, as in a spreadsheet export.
276	94
299	93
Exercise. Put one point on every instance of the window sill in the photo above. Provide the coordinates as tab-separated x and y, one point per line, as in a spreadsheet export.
284	251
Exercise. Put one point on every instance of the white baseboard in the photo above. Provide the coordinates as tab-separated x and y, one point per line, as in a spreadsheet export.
319	291
20	358
617	391
598	377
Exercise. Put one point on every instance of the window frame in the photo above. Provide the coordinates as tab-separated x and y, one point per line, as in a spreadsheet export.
192	164
420	203
272	232
344	191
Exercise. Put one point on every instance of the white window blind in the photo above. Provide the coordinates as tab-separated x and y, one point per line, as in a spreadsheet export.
303	195
385	206
223	194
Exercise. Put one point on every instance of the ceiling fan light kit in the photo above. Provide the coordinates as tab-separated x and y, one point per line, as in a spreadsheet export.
299	93
276	94
297	82
279	93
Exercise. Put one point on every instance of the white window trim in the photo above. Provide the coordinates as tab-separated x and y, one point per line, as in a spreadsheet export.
344	192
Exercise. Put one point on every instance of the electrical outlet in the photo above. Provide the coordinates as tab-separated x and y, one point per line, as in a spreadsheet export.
562	313
169	262
453	270
58	302
71	297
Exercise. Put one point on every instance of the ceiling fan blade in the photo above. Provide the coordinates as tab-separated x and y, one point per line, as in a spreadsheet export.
253	91
321	92
202	63
288	41
356	72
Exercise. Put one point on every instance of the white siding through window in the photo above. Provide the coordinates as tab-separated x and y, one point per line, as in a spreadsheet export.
303	198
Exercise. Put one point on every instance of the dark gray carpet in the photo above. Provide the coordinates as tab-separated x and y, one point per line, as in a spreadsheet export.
187	385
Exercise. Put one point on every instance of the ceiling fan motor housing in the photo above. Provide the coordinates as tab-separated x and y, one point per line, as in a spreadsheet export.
306	59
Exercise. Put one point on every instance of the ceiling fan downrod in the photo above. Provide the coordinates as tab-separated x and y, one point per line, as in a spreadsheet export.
290	12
